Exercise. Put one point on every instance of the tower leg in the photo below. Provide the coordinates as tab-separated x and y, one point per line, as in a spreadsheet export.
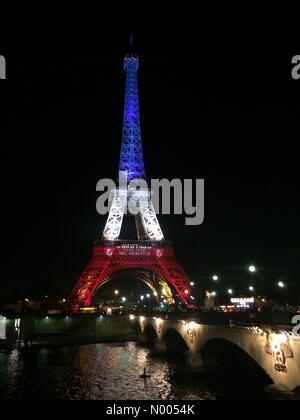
176	277
115	218
92	277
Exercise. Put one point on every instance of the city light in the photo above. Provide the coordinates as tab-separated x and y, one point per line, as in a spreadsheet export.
214	294
186	291
191	325
252	268
245	303
131	317
215	277
242	300
192	283
142	318
123	299
230	291
251	288
116	292
142	297
158	321
281	284
148	295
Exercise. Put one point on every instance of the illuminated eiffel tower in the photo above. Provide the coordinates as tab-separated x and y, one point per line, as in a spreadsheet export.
149	258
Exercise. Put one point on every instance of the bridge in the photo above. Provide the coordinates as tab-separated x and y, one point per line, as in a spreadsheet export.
274	350
268	350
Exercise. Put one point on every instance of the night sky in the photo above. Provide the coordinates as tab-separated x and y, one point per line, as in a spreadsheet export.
209	109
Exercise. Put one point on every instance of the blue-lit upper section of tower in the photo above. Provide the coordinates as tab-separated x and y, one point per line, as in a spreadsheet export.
131	63
131	159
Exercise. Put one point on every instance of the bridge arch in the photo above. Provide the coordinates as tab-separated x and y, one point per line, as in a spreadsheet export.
272	355
174	341
150	333
224	356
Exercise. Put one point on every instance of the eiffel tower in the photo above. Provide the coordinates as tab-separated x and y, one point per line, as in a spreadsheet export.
149	258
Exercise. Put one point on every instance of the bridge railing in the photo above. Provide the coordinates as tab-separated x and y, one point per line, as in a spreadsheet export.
238	320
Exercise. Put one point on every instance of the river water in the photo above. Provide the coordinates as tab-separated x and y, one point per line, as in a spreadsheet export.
105	371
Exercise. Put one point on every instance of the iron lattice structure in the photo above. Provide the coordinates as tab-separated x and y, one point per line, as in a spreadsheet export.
150	258
131	158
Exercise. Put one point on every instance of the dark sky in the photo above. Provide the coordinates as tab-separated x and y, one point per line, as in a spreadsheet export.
219	109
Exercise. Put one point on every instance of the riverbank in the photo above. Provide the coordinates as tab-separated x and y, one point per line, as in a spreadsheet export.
57	330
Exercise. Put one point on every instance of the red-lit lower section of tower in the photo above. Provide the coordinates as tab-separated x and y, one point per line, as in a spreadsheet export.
111	257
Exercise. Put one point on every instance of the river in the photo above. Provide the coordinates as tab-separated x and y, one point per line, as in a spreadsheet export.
106	371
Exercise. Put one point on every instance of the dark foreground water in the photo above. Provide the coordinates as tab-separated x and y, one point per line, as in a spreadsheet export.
105	371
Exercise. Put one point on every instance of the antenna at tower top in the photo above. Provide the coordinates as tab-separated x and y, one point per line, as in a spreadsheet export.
131	41
131	53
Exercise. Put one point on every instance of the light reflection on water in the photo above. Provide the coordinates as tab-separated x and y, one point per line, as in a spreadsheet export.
98	371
